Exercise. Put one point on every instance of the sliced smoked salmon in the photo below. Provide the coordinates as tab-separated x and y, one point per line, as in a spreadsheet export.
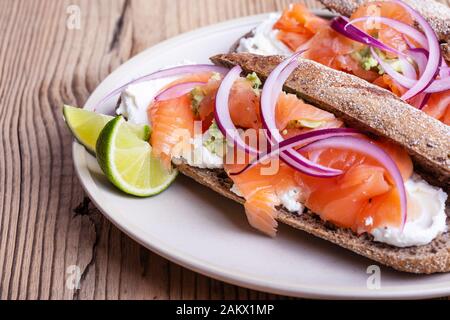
358	199
173	123
298	29
344	200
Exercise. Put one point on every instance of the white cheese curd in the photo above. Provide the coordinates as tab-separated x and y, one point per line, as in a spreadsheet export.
264	40
290	200
136	98
426	216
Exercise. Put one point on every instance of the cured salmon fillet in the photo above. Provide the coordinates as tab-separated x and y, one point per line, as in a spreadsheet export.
300	29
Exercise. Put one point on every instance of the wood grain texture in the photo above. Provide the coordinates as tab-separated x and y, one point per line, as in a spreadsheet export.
46	222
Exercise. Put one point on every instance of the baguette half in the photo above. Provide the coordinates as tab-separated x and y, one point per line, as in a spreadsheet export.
431	258
347	97
364	106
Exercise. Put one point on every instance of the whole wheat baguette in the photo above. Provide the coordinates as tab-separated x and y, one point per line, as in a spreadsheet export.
437	14
431	258
365	106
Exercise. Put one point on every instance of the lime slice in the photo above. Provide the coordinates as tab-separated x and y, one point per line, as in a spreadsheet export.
127	161
87	125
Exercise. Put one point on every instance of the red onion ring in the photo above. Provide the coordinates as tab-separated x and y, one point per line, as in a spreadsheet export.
444	70
423	100
373	151
343	26
222	112
401	27
398	77
420	56
408	69
427	81
436	86
166	73
302	139
434	59
178	90
269	96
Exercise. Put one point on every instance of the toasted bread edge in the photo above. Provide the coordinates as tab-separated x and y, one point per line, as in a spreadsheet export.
431	258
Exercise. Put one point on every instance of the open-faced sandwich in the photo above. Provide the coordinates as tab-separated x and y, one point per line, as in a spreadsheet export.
295	142
374	40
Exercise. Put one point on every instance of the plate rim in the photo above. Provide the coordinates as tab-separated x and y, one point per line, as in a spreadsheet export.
79	155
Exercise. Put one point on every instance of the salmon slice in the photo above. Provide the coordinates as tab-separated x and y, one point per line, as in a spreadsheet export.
385	34
244	104
359	199
327	46
292	112
356	199
173	124
261	193
297	25
438	106
446	118
173	120
339	200
298	29
293	40
380	211
385	81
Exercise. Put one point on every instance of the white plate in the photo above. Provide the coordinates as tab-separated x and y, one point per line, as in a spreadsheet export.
202	231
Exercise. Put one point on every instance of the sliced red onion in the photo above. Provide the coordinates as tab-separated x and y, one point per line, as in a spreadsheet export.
434	59
398	77
166	73
423	100
343	26
222	112
269	96
401	27
429	41
178	90
301	140
373	151
420	56
444	70
408	69
437	86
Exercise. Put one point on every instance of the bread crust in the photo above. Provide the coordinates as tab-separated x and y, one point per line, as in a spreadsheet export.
365	106
432	258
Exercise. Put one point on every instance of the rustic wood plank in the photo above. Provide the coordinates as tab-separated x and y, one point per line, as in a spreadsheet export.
46	223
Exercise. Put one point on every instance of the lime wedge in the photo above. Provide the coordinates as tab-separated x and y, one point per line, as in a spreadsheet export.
87	125
127	161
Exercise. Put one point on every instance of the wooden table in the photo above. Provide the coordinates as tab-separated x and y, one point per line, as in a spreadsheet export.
48	226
